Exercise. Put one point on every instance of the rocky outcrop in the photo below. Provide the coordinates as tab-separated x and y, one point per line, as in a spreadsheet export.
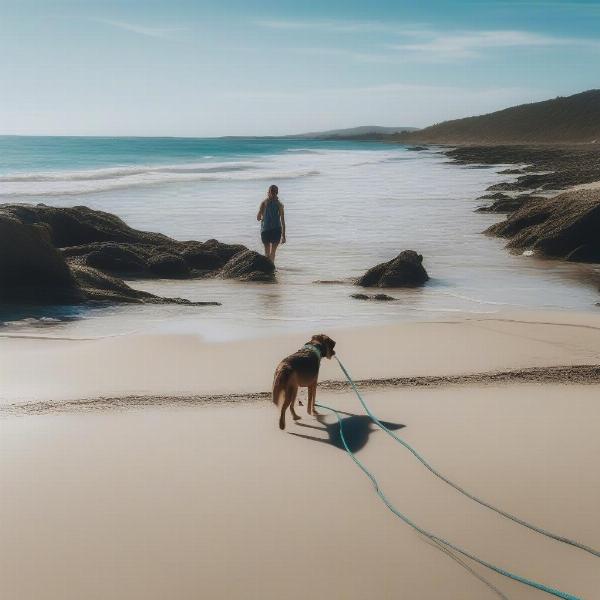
249	266
52	255
565	226
31	269
503	203
406	270
100	287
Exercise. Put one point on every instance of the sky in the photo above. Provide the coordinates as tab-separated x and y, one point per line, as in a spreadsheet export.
249	67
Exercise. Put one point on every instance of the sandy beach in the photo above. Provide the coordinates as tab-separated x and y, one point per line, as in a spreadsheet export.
186	496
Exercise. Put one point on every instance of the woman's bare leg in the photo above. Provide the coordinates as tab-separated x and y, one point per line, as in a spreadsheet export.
273	250
267	250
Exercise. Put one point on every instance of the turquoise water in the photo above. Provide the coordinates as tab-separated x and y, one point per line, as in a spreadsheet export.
20	155
349	205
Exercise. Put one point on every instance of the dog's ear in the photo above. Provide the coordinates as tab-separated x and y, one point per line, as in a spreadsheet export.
330	346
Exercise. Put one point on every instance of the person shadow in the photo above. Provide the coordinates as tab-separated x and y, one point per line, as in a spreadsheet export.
357	429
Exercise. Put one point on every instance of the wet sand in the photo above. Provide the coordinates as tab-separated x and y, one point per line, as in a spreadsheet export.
53	370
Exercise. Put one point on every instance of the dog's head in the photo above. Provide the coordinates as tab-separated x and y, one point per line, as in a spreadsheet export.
324	343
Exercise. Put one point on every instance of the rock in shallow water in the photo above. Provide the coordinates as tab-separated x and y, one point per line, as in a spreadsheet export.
95	246
378	297
406	270
249	266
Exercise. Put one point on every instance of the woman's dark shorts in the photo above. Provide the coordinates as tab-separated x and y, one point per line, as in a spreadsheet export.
271	236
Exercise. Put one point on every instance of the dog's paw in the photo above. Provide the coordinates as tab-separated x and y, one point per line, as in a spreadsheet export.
296	417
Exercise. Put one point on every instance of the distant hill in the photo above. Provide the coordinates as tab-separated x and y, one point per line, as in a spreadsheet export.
571	119
363	130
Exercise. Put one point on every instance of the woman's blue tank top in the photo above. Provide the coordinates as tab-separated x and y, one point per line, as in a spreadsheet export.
271	218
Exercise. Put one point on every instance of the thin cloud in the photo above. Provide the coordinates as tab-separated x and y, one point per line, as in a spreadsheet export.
420	43
340	26
471	44
155	32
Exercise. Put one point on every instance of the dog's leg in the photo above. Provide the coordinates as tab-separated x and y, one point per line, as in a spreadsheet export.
290	395
311	399
295	415
312	394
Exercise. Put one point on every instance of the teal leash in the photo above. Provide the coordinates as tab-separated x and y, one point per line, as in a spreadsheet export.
438	540
426	464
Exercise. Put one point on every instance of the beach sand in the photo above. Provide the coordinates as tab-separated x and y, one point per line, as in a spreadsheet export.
211	500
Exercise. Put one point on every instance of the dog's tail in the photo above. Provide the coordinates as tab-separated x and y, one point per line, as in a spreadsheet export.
282	375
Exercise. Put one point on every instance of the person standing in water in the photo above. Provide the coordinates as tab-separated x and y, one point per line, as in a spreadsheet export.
272	226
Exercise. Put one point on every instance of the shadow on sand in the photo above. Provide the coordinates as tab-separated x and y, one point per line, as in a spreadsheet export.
357	429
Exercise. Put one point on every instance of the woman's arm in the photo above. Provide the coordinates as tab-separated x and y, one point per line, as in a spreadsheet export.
261	210
282	219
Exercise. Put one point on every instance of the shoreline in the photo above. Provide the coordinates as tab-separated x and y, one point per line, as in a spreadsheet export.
558	374
471	349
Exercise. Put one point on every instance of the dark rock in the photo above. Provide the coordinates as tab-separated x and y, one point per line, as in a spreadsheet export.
565	226
585	253
507	204
201	258
112	257
168	265
249	266
32	271
495	196
224	251
406	270
511	172
378	297
104	241
81	225
100	287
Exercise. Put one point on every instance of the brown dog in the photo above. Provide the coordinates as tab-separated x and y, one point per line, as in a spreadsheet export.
300	369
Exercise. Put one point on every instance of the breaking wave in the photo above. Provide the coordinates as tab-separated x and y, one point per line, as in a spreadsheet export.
67	183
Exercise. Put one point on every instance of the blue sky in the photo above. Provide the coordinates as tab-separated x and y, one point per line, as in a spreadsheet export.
233	67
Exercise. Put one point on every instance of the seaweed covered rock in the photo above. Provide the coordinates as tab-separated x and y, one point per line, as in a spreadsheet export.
167	264
565	226
505	204
406	270
249	266
377	297
70	255
112	257
102	240
80	225
100	287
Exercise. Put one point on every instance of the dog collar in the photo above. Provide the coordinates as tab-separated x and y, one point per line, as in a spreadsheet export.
314	349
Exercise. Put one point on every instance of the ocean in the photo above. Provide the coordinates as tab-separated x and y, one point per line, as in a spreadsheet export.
349	205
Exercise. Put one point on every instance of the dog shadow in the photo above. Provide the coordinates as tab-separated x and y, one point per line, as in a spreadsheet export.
357	429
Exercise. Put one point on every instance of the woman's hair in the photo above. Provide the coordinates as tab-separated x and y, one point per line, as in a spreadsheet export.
272	192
